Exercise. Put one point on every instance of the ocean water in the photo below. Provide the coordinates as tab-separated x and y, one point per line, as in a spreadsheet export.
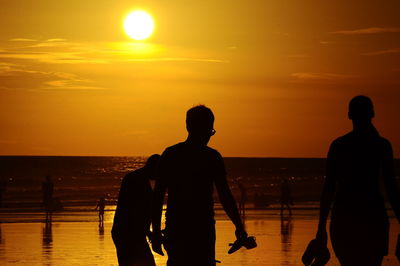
81	181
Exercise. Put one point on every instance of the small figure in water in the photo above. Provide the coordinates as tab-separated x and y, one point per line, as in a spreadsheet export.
242	201
47	190
132	216
286	196
356	163
3	187
101	205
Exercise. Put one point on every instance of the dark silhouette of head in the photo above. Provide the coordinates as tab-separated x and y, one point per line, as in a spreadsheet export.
361	110
48	178
151	165
200	124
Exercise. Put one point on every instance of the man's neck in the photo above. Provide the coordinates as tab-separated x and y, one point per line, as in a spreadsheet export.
363	126
195	141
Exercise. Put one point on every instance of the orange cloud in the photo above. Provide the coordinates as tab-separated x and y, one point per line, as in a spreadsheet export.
319	76
387	51
372	30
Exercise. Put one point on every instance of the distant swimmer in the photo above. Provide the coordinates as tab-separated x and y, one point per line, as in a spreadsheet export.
3	187
286	196
357	161
101	205
242	200
47	190
188	171
132	216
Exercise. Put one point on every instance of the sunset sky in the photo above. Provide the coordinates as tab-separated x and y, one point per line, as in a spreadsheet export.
277	74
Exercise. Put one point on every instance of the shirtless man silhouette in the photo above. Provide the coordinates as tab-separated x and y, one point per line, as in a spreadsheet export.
356	163
188	171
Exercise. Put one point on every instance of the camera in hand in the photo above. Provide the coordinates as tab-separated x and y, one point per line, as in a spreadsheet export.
248	242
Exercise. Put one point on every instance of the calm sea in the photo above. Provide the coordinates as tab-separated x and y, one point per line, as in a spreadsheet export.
81	181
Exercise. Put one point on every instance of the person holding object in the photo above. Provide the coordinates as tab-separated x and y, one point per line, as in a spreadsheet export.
359	228
188	171
132	216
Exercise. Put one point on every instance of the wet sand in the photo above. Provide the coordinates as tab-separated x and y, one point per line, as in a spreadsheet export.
75	238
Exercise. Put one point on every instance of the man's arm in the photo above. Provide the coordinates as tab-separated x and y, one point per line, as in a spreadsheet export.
327	195
389	178
158	200
160	189
229	203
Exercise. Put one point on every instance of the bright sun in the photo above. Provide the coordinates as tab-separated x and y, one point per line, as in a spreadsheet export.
139	25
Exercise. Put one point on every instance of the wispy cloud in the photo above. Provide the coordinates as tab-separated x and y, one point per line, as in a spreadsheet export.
68	85
22	40
320	76
387	51
52	57
61	51
176	59
13	76
56	40
372	30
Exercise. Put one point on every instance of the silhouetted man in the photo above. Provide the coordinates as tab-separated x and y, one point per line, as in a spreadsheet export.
189	170
356	162
132	216
101	205
47	190
286	196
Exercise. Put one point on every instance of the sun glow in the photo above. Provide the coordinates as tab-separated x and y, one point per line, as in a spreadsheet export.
139	25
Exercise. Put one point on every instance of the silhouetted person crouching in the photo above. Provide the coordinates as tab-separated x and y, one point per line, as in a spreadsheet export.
359	226
132	216
189	170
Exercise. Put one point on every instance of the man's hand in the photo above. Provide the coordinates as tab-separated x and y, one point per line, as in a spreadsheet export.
240	233
156	243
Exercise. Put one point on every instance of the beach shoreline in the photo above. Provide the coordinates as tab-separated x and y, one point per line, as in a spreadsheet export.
77	238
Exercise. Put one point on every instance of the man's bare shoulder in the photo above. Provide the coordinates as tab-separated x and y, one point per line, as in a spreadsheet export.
213	152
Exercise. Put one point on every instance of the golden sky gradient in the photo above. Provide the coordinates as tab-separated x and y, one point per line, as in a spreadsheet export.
278	74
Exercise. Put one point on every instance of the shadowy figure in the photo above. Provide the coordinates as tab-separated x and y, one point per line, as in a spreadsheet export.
101	205
132	216
286	196
286	233
189	170
47	238
242	201
47	190
101	232
359	228
3	187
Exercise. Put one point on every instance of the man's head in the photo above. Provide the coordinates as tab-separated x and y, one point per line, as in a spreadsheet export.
151	165
361	109
200	123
